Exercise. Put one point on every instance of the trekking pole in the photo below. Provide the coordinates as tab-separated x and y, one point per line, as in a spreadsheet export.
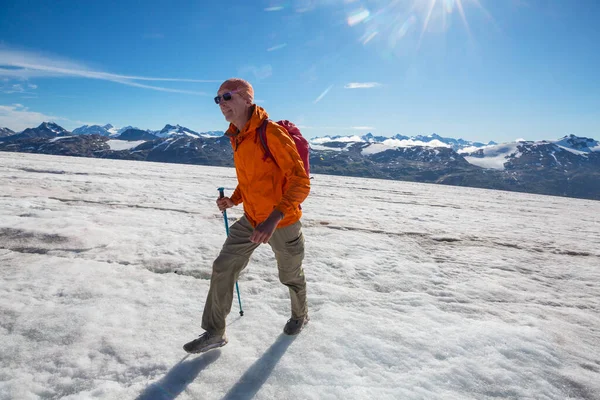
237	288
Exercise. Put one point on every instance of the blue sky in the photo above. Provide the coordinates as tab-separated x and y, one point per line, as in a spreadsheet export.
477	69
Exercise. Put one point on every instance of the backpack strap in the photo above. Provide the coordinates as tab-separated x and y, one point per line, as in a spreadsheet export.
262	135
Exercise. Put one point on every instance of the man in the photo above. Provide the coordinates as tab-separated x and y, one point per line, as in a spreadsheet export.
271	190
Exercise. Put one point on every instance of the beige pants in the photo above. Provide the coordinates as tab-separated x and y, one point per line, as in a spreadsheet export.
287	244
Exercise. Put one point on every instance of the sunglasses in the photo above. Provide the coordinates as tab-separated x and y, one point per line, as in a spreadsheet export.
226	97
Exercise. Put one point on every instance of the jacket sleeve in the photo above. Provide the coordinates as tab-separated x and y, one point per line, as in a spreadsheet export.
236	197
284	151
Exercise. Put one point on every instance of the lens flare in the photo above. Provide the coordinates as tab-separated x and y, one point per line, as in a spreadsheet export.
405	23
409	23
462	14
368	36
426	23
358	17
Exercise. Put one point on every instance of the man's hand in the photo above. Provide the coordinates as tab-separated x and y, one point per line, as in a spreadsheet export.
263	232
224	203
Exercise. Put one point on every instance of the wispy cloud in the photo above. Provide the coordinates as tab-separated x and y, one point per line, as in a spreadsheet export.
22	88
278	47
318	99
25	65
363	128
273	8
18	117
361	85
12	88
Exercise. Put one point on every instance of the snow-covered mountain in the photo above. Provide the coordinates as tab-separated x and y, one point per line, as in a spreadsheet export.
569	166
396	141
578	144
178	130
175	130
454	143
135	134
564	153
45	130
105	130
117	132
50	127
167	131
6	132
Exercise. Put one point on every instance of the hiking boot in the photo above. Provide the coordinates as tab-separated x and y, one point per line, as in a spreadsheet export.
205	342
294	326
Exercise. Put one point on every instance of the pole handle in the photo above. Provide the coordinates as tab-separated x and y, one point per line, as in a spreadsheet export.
221	192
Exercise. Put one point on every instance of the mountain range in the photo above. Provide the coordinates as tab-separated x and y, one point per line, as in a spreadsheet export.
569	166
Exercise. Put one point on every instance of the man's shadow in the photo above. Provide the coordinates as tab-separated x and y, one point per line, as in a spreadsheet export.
179	377
253	379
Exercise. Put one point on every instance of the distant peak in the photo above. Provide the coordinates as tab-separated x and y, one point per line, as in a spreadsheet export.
50	126
168	127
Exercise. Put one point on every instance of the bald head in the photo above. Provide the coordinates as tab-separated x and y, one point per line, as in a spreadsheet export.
239	86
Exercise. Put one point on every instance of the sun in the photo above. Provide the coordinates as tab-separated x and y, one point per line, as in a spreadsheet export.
393	20
448	7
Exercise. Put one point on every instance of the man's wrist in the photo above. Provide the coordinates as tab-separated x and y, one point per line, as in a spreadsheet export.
278	213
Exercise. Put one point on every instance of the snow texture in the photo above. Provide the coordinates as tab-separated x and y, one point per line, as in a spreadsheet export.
416	291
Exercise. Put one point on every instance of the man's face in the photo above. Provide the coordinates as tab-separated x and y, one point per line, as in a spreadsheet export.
234	108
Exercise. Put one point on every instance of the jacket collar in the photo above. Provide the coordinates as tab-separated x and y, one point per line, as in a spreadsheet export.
258	115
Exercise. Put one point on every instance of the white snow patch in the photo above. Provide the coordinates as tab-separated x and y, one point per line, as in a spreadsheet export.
572	150
350	139
470	149
116	144
326	148
375	148
494	156
59	138
411	143
113	131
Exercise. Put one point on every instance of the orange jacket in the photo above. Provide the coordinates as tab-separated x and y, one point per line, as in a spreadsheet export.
264	185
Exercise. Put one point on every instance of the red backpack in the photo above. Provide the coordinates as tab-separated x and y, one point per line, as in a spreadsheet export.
292	130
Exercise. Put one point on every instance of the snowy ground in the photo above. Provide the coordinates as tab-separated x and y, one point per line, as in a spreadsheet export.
416	291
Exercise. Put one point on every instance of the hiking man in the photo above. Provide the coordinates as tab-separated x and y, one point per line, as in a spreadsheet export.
271	190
